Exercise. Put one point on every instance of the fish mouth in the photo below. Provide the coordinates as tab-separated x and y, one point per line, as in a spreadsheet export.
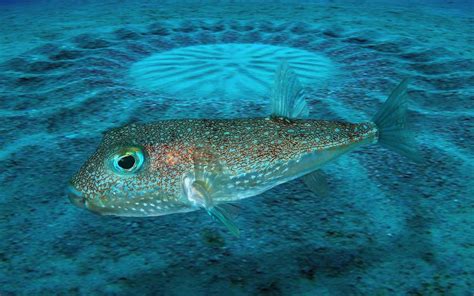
76	197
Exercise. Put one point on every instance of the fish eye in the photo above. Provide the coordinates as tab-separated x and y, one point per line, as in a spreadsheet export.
128	160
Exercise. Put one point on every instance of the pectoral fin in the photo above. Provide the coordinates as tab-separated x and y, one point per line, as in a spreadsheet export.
207	169
205	184
316	182
223	214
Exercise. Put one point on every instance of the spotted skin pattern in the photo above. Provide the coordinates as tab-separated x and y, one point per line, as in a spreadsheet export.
255	154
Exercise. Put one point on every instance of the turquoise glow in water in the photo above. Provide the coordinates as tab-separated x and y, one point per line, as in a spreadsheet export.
70	71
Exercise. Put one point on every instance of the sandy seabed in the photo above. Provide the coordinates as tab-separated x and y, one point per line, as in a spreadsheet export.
386	227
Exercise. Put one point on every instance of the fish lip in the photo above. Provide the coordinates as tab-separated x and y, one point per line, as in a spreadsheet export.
75	196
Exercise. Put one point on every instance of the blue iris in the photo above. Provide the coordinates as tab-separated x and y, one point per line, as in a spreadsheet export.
128	161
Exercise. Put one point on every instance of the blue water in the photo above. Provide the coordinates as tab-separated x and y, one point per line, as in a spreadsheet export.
387	226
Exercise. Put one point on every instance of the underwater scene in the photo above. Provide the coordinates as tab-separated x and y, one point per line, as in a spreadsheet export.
237	147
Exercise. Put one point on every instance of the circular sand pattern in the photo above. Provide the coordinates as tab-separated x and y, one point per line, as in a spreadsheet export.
225	70
60	96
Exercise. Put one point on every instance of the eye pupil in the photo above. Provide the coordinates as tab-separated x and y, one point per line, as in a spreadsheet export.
126	162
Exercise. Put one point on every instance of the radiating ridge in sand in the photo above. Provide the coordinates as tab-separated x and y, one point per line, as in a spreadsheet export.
226	70
56	100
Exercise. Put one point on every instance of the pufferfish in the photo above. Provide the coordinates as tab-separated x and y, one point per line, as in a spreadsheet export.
175	166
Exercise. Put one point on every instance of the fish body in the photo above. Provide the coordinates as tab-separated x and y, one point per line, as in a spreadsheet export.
175	166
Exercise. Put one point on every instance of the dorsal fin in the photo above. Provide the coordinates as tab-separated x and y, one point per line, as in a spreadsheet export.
288	95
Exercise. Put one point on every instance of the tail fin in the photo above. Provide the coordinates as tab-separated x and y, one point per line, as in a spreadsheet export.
391	123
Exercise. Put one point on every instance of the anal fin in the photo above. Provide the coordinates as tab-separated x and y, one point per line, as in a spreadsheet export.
316	182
